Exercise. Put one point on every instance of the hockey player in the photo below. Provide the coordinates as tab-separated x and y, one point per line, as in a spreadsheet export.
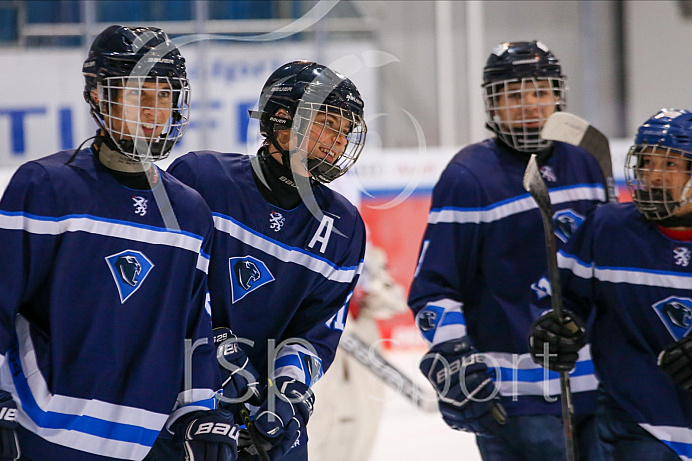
287	250
629	264
99	294
482	250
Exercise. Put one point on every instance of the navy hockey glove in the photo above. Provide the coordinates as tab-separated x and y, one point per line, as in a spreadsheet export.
9	445
561	339
466	393
208	436
676	361
280	426
240	379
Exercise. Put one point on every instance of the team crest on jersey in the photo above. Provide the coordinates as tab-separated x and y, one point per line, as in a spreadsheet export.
140	204
247	274
676	314
548	173
682	256
542	288
565	223
129	269
276	221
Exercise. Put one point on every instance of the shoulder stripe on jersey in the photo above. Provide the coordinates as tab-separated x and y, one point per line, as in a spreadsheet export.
89	425
284	252
100	226
512	206
679	439
630	275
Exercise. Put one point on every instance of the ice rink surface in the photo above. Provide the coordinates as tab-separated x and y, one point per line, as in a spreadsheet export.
409	434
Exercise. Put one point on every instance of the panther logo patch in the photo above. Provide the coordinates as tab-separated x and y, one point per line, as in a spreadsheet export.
566	222
129	269
676	314
247	274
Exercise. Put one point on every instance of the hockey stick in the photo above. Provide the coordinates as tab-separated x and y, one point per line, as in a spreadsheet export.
570	129
392	376
256	442
533	183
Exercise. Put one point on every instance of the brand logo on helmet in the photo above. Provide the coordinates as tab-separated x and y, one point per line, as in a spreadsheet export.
676	314
525	61
90	64
283	121
274	89
247	274
129	269
350	97
162	60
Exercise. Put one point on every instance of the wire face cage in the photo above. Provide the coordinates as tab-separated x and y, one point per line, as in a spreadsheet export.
517	109
330	139
145	116
658	179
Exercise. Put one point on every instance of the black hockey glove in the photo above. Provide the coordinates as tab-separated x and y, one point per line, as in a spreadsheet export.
281	418
466	393
9	445
240	379
208	436
676	361
559	339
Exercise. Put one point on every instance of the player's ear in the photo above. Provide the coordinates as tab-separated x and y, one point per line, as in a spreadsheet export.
95	95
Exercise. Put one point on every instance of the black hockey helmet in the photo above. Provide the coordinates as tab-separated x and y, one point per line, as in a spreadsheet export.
530	64
517	60
137	54
303	89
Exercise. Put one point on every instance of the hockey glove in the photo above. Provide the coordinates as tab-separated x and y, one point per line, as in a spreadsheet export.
9	445
281	418
240	379
559	339
208	436
676	361
466	393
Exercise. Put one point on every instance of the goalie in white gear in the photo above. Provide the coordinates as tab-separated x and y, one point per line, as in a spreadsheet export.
344	424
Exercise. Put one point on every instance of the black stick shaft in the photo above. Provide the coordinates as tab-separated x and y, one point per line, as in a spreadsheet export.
247	420
534	184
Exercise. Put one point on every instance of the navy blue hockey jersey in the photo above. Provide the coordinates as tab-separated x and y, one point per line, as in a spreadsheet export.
482	253
98	298
640	283
277	275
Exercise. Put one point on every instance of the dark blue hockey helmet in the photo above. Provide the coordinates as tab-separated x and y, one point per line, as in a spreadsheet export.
513	72
668	128
129	56
294	96
657	168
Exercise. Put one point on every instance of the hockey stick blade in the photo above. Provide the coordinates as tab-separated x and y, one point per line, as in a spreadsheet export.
534	185
571	129
392	376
